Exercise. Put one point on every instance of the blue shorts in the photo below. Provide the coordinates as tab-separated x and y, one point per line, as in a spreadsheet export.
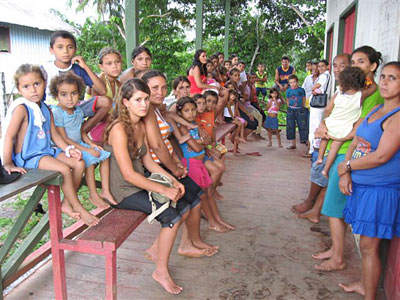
335	201
89	106
261	90
316	172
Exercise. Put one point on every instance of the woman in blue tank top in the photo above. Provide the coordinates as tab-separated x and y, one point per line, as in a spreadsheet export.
370	177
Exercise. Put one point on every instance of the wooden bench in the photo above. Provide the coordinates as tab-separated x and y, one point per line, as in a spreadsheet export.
222	130
103	239
19	262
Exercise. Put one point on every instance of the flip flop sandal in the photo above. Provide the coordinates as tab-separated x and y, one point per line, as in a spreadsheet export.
254	154
291	147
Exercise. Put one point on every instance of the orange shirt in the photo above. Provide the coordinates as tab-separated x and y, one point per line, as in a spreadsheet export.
207	121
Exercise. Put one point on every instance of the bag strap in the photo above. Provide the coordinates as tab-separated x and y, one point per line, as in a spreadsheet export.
155	212
327	84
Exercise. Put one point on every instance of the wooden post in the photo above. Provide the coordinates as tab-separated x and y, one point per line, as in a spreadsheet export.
131	27
56	235
199	24
227	21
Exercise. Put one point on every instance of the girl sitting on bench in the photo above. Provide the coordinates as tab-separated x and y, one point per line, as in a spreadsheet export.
29	130
125	138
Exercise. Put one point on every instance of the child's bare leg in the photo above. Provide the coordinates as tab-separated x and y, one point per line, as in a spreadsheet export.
213	224
269	137
330	159
278	137
191	243
71	204
103	106
241	133
105	182
321	151
215	169
215	212
94	196
220	166
166	238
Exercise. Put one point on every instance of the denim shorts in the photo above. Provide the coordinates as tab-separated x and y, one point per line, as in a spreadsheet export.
89	106
316	173
140	202
192	190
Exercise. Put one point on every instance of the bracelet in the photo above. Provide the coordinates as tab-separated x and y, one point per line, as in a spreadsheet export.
348	166
69	147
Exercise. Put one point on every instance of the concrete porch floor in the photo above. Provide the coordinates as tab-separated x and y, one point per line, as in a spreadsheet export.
268	256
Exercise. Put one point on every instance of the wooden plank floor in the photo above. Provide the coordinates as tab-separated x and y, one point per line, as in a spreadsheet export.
267	257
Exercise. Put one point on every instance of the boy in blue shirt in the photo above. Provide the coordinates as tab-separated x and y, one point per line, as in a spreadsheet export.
63	47
296	112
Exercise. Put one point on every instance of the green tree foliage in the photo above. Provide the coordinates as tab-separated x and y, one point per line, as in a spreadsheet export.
273	25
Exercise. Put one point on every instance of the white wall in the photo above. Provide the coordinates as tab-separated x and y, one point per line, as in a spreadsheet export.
377	25
28	45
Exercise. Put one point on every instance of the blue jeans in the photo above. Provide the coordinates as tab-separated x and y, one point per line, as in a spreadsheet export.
299	116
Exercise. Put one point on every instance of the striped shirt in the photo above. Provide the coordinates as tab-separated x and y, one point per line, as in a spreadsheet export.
165	130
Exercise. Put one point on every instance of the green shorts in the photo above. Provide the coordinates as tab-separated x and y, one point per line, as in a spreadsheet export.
335	201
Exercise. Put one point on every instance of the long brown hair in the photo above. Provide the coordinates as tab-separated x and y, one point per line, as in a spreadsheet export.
121	113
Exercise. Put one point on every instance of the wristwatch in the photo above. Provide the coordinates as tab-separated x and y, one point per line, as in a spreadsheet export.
348	165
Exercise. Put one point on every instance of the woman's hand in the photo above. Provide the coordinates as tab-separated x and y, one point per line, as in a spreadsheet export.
172	193
180	187
11	168
321	131
345	184
342	168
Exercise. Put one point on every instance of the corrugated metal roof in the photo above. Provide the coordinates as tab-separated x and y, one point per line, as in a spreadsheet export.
18	12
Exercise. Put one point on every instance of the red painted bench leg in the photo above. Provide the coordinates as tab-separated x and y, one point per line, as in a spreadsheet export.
111	275
56	235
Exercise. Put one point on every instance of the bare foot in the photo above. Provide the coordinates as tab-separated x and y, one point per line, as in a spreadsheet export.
355	287
211	250
280	146
98	201
323	255
330	265
220	183
107	196
218	228
231	227
167	283
241	140
310	215
88	218
184	138
151	254
67	209
192	251
301	207
218	196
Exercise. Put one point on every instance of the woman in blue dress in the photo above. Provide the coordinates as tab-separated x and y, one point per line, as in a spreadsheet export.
370	177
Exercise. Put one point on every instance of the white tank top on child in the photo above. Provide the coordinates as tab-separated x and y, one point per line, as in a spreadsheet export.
226	111
346	111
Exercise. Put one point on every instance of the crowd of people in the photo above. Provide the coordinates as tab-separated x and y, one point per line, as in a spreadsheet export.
69	119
